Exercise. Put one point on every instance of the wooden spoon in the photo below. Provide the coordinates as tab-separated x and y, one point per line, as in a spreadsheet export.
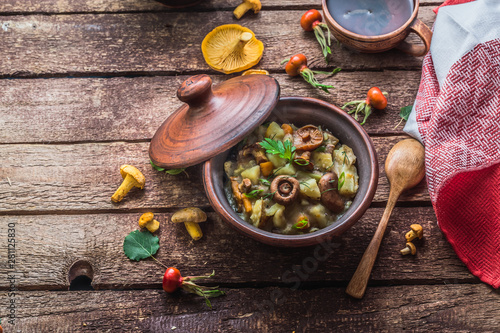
404	167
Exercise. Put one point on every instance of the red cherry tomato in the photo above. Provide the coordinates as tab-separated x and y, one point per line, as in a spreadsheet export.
310	19
376	98
172	280
296	64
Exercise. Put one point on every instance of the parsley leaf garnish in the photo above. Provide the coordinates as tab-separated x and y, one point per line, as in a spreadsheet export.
284	150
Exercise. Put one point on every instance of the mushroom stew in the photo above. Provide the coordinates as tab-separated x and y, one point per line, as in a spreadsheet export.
291	180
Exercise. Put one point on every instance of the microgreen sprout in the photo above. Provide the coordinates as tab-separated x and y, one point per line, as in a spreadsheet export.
345	157
305	184
341	180
302	224
269	195
253	194
265	181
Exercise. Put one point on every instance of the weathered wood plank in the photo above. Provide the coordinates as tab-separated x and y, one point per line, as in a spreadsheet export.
443	308
162	43
47	246
91	109
97	6
82	177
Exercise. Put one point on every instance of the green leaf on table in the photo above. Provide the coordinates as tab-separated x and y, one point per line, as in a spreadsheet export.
169	171
174	171
405	111
140	245
404	114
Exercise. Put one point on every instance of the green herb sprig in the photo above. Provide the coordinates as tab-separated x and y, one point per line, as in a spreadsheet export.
284	150
253	194
302	224
341	180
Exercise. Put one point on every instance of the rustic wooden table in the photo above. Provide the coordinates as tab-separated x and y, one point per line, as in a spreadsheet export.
84	86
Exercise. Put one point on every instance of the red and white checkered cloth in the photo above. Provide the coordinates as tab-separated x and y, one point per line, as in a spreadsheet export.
458	120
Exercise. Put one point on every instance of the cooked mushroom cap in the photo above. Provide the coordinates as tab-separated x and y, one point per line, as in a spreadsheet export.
330	197
231	48
308	137
134	173
285	189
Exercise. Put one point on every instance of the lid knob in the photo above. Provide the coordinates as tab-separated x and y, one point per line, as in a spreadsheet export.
196	90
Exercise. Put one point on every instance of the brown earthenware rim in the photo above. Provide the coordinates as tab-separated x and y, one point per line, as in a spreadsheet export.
314	111
369	39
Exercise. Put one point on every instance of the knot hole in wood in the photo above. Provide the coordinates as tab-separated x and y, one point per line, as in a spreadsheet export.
80	276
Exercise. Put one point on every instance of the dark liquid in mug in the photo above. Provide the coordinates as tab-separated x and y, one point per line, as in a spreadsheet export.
370	17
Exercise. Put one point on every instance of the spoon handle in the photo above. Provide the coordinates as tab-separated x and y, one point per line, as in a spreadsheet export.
359	280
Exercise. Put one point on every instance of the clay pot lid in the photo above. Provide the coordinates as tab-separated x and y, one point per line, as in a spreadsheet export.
214	118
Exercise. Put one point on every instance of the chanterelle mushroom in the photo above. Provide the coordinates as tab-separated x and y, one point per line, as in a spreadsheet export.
330	197
191	216
132	177
285	189
147	221
410	248
245	6
416	231
231	48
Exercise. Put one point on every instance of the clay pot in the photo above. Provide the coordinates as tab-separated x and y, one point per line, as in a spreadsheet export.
303	111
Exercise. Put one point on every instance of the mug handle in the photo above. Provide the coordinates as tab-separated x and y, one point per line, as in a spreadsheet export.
424	33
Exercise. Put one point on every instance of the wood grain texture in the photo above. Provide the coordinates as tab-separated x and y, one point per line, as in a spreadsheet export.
162	43
47	246
443	308
106	109
82	177
96	6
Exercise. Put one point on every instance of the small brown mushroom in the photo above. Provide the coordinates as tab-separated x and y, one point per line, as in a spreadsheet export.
303	158
245	185
147	221
308	137
330	197
256	151
285	189
416	231
329	148
242	201
410	248
132	177
191	216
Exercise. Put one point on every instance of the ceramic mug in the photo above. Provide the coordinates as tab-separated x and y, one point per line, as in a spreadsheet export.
380	43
